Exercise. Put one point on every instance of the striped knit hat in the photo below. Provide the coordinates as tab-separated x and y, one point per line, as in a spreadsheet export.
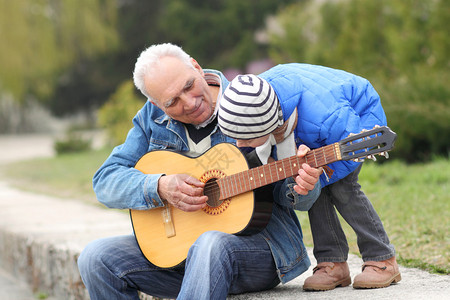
249	108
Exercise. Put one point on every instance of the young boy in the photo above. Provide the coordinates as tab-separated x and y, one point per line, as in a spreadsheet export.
295	104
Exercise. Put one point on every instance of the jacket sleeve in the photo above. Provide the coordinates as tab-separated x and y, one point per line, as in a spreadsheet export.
285	195
118	184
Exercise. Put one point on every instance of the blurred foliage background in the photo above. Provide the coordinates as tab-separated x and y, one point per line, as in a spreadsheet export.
61	58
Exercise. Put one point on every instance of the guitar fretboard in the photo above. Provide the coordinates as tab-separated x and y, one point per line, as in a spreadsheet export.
266	174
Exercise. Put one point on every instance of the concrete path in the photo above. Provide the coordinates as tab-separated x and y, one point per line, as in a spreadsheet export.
25	146
13	289
41	237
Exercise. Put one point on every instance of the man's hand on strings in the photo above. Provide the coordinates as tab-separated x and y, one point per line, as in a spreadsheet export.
182	191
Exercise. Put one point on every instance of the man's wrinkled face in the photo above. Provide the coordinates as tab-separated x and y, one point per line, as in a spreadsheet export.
181	91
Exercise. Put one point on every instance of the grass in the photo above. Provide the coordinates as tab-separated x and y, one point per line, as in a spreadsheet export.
66	176
413	203
412	200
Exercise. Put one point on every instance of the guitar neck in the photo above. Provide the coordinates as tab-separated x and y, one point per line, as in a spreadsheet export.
266	174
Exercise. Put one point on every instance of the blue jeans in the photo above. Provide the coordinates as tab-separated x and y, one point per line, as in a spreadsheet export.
330	243
218	264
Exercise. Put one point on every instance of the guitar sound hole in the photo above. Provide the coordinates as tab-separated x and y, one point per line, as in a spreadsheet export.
212	190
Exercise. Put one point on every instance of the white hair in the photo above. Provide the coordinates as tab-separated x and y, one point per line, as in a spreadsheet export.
150	58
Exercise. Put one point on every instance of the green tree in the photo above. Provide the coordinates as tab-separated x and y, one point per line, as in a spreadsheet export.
219	33
41	38
399	45
116	114
91	80
209	30
72	55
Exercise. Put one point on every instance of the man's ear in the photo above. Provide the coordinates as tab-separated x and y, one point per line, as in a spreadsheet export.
197	66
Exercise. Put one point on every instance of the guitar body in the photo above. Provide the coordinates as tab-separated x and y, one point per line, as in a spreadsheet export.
166	244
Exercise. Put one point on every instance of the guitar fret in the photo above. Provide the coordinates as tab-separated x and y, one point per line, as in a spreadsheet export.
223	190
245	183
271	175
265	175
279	165
230	185
287	167
290	167
242	186
238	183
275	171
315	158
332	150
227	187
260	175
235	185
252	182
280	169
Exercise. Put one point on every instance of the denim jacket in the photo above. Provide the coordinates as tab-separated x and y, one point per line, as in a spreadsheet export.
118	184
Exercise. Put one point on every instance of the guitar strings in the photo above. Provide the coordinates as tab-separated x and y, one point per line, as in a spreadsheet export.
315	158
272	171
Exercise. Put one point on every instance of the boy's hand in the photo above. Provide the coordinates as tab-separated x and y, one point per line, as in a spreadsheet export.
307	176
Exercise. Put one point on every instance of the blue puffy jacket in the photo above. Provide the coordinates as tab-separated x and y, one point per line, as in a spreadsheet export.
331	104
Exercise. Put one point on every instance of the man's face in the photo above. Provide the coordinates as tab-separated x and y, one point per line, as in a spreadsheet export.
180	91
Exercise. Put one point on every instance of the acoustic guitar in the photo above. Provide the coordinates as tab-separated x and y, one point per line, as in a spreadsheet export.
165	234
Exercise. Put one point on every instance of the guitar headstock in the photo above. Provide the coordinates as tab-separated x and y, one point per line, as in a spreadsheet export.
367	143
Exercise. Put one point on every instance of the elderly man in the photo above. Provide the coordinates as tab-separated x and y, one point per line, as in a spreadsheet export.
181	116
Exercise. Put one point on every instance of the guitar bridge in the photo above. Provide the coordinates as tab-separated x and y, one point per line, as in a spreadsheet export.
167	220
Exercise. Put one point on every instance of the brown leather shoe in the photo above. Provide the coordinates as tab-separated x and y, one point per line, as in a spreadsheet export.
328	275
377	274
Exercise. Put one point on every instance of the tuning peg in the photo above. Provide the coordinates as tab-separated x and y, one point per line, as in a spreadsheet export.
372	157
385	154
360	159
350	135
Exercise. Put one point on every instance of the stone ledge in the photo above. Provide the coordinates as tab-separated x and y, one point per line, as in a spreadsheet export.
41	238
45	267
